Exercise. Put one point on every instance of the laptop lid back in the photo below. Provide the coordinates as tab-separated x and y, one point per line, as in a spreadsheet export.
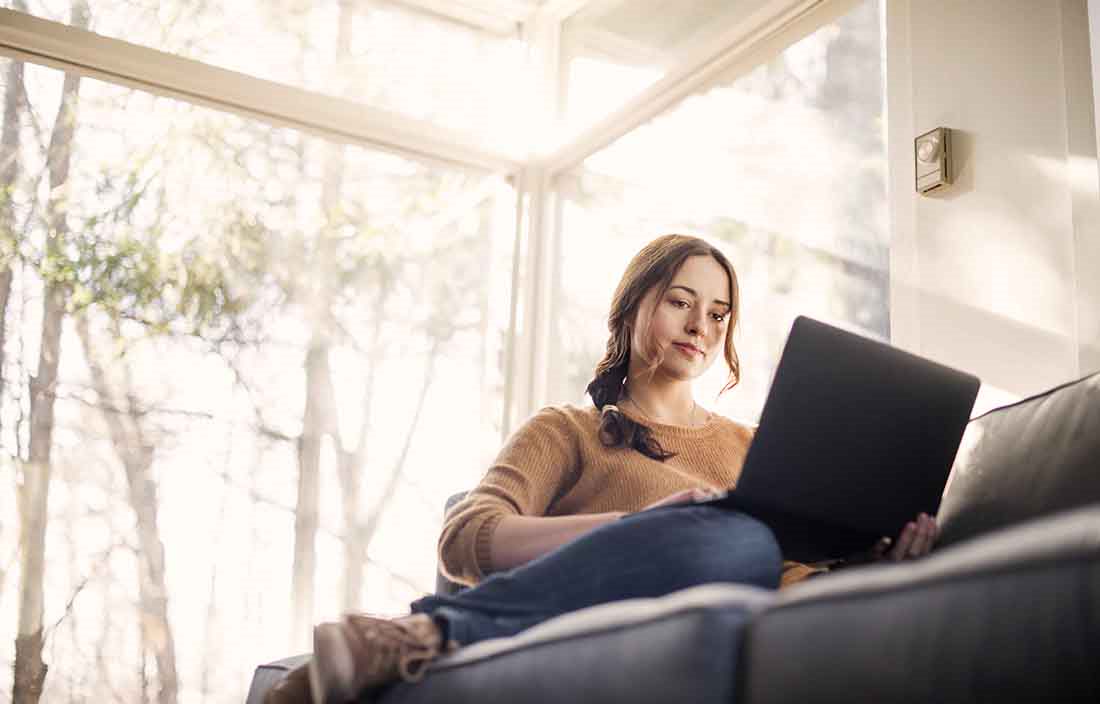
856	433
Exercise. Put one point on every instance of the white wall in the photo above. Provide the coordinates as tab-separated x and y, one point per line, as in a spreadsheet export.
1000	273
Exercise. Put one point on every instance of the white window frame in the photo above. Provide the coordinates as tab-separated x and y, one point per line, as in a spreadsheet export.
741	47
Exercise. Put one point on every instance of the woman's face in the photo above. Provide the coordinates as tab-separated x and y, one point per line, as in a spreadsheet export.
688	324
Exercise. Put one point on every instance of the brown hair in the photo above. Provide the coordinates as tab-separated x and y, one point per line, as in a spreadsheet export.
653	267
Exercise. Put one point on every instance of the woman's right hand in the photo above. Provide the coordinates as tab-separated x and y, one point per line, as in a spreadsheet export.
686	496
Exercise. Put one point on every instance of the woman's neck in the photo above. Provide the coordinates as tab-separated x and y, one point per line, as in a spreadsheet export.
662	401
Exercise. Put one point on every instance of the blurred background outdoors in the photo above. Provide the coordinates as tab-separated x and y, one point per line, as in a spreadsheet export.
243	366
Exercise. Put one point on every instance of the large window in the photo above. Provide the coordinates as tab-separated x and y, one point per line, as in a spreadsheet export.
243	365
613	50
244	309
784	167
381	53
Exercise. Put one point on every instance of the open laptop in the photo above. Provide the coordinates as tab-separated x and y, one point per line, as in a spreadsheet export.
856	438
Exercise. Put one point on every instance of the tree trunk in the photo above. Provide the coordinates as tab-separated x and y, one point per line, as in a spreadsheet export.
30	671
319	417
351	464
355	548
136	453
9	174
309	481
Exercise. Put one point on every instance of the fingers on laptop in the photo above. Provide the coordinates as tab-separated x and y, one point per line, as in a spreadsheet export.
916	539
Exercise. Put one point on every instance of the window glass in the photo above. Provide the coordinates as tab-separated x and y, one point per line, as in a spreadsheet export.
783	167
241	304
612	50
417	64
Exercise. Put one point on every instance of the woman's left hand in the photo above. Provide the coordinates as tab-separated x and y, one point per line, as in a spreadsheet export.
916	540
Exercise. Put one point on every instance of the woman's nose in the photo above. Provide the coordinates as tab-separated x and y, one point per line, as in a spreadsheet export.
695	324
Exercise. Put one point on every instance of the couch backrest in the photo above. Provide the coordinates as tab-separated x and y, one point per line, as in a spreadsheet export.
1029	459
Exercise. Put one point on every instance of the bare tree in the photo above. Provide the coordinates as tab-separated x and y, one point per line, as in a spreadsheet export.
136	451
309	488
14	98
30	670
319	418
9	174
351	460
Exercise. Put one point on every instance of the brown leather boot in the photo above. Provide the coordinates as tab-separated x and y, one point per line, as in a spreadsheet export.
292	689
362	652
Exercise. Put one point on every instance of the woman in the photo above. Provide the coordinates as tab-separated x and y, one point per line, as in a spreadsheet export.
566	517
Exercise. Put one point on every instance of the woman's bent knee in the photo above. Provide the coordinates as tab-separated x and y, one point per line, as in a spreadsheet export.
711	544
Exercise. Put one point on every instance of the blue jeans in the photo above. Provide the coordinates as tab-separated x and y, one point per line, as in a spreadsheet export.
647	554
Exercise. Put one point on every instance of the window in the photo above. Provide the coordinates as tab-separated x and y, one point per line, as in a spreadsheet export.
243	304
270	338
784	167
612	50
383	54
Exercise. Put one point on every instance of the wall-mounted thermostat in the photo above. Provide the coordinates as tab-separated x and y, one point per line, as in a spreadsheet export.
933	159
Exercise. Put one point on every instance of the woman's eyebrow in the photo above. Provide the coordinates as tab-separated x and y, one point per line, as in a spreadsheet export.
692	292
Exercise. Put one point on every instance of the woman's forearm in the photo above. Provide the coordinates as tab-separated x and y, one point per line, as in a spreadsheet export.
520	539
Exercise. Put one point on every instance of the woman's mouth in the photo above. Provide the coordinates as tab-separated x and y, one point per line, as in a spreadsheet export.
687	350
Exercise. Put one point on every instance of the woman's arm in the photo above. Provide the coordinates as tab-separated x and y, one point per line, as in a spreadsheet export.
540	461
520	539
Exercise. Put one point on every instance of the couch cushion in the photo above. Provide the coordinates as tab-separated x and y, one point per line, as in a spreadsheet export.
1029	459
678	648
1013	616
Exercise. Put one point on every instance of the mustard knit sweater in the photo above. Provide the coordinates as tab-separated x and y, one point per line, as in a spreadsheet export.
555	465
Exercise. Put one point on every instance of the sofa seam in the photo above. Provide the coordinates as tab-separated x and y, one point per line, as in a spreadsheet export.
1034	397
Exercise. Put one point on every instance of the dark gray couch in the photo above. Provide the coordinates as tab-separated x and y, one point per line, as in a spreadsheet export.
1007	608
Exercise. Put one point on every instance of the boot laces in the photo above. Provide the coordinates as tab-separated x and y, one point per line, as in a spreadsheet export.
394	645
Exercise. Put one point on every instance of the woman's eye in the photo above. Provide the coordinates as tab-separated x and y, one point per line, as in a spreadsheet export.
718	317
679	303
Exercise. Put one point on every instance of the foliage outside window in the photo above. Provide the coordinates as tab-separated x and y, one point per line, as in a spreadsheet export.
236	306
242	367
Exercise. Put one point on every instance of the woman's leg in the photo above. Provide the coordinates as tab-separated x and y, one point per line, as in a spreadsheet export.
646	554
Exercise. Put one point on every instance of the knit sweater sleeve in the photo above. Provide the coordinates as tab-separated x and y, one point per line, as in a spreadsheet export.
539	461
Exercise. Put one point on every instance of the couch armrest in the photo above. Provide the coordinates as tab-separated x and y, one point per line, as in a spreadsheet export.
442	584
1014	616
265	676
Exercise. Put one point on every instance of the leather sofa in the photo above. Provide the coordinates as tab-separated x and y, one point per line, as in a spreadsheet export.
1007	607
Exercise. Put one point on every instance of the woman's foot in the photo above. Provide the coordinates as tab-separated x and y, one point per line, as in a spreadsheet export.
362	652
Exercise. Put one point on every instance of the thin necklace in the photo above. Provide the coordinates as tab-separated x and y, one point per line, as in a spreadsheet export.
694	405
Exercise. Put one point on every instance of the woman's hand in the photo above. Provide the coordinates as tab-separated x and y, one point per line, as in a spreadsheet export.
686	496
916	540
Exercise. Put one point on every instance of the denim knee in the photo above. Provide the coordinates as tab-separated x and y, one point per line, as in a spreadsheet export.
710	544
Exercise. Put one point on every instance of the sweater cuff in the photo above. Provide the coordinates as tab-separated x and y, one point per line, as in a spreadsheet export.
482	543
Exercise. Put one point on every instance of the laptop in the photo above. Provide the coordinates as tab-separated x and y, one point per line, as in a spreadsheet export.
856	438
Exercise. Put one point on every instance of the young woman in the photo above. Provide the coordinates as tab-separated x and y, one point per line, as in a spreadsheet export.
567	517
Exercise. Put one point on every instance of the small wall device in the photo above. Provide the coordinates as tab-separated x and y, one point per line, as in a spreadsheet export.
932	152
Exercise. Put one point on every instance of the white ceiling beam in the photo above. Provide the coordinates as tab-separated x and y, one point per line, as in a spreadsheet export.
564	9
502	17
35	40
592	41
746	44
